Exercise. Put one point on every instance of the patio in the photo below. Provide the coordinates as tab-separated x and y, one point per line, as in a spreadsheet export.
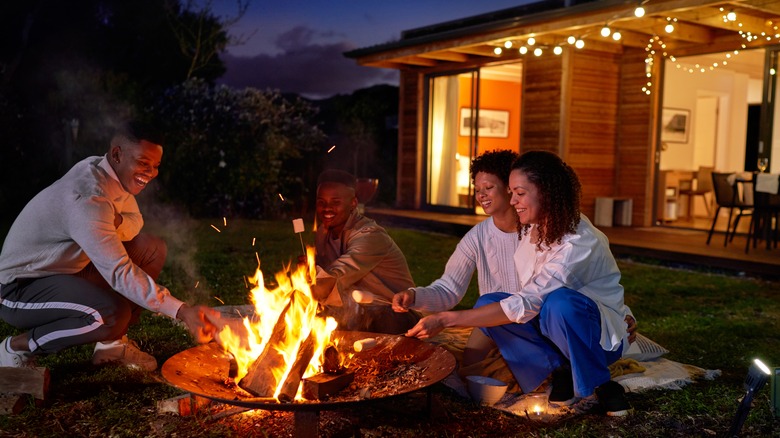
677	245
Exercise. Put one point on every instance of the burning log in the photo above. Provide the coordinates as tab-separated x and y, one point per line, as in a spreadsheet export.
260	380
321	386
293	381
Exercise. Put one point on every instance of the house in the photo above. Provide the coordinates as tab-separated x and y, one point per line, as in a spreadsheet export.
635	95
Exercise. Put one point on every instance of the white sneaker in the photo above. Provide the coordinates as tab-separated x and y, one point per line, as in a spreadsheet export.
11	358
124	352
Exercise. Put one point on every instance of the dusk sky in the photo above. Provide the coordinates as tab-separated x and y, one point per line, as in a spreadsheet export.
298	45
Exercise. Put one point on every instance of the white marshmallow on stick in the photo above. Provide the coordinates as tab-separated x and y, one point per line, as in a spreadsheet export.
299	228
365	297
364	344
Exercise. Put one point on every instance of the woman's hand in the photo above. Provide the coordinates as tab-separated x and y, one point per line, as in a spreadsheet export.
631	328
402	301
429	326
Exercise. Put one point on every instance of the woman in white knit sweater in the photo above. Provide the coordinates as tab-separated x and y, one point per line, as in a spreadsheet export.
487	248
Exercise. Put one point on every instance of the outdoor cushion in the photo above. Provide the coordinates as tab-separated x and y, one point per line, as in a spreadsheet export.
643	349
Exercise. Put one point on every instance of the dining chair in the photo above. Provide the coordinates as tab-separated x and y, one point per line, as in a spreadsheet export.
704	186
765	222
727	196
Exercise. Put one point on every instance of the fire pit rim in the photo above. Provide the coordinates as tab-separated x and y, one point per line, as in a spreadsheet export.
173	375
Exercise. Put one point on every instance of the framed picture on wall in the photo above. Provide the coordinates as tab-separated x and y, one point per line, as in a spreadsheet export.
675	125
492	123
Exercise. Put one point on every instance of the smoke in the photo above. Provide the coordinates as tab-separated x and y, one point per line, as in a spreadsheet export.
177	228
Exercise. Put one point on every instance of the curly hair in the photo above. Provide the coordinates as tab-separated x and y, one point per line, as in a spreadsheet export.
559	194
495	162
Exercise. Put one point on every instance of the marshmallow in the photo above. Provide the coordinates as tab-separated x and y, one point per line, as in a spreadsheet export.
362	297
364	344
298	225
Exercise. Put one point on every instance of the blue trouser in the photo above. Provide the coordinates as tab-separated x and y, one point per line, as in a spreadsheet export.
567	332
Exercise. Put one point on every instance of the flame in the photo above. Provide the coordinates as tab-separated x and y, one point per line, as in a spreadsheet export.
293	288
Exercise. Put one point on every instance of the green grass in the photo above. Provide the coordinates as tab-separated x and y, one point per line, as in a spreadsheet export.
713	321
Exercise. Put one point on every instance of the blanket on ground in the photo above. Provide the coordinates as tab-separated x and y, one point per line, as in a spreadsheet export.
634	375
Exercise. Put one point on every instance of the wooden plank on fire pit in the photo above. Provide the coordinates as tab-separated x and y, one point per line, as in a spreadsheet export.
321	386
19	384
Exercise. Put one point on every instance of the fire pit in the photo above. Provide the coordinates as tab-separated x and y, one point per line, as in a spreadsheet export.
203	371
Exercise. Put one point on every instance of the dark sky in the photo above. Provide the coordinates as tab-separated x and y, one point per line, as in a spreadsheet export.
298	45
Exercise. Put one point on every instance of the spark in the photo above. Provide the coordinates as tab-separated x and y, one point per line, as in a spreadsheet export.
331	148
253	241
224	220
218	230
281	197
257	256
196	284
217	298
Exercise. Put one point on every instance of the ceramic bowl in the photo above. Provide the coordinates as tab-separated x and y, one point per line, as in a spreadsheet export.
485	390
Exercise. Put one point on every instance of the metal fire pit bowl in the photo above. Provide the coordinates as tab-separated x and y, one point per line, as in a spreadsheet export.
202	371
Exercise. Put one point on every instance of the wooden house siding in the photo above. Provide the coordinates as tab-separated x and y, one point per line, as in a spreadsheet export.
410	142
636	150
541	104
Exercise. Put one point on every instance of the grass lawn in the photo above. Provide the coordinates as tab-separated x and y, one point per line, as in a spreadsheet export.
709	320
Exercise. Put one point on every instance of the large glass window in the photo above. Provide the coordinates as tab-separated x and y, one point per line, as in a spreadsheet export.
469	112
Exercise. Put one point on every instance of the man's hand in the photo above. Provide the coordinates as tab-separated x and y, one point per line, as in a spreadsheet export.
402	301
118	219
201	321
631	328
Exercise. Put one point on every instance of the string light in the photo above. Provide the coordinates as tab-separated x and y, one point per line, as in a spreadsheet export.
557	50
531	41
497	50
616	35
605	31
508	44
639	12
579	43
538	51
523	50
669	28
571	40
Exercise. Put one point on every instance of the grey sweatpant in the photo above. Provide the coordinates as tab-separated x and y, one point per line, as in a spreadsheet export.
61	311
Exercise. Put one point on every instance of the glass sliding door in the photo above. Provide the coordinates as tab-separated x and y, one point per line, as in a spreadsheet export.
451	104
769	140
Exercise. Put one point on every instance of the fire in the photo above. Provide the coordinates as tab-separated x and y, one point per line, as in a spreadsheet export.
300	320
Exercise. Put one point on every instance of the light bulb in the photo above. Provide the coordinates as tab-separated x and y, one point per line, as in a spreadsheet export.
616	36
731	16
497	50
523	50
531	41
557	50
579	44
605	31
538	51
669	28
508	44
639	12
571	39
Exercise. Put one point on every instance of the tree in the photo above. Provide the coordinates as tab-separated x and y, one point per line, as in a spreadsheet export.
234	152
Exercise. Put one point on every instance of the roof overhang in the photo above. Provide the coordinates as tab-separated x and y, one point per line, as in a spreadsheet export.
700	27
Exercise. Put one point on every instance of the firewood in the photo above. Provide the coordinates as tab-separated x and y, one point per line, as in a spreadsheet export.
293	380
321	386
259	380
184	405
17	385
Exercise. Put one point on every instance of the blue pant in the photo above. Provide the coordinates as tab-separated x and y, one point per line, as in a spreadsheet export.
567	332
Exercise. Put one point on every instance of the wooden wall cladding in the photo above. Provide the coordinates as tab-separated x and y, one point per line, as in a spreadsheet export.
409	143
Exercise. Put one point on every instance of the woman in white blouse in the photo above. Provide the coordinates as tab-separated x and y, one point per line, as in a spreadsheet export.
567	320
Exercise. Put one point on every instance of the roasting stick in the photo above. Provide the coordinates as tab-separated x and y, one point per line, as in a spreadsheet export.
299	229
365	297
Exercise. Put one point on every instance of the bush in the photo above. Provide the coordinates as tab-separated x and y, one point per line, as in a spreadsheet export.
233	152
